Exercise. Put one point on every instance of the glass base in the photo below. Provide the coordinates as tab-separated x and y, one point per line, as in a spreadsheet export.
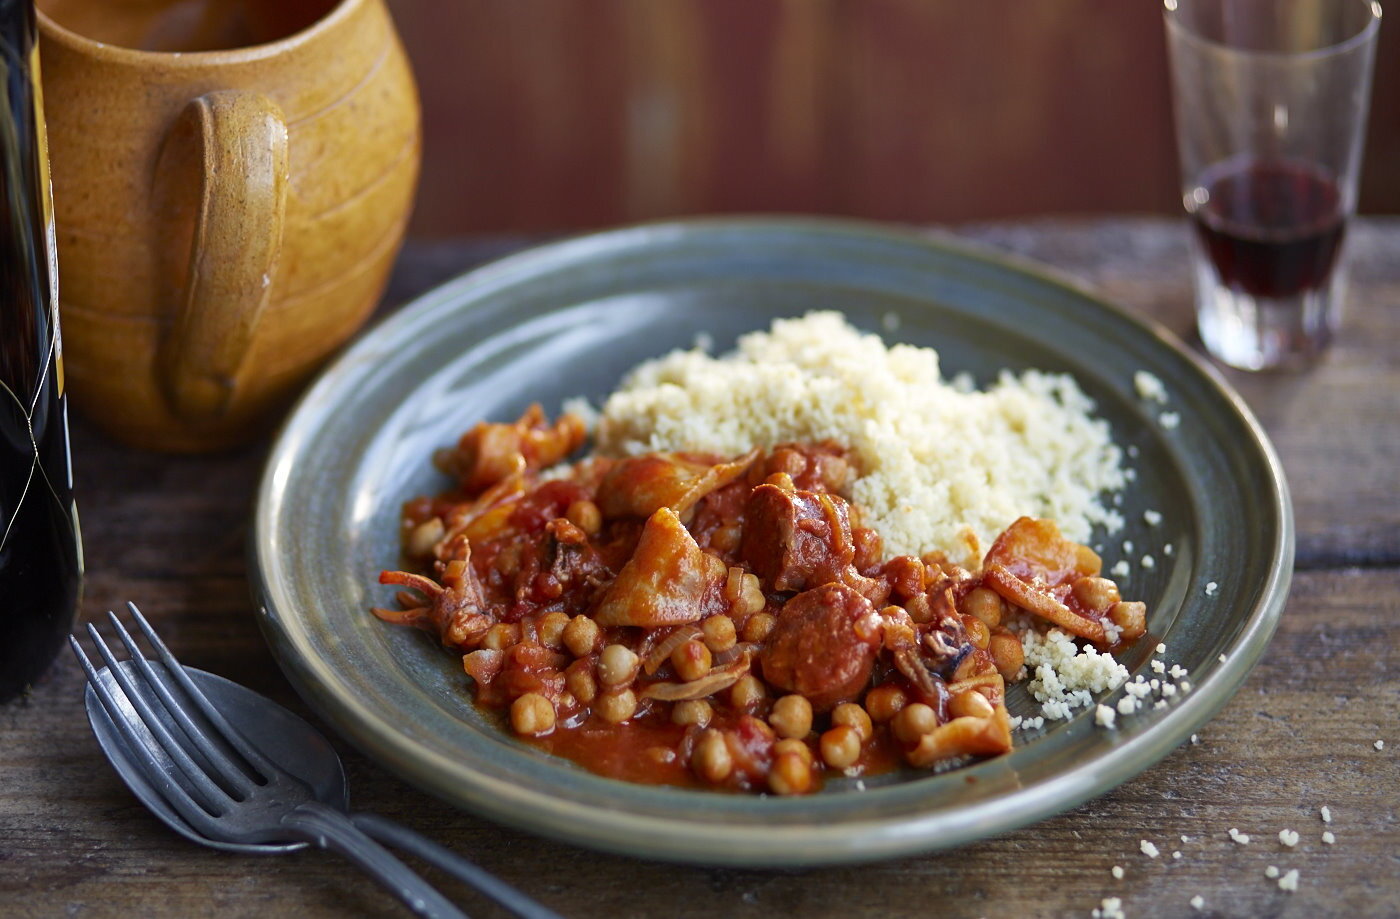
1266	333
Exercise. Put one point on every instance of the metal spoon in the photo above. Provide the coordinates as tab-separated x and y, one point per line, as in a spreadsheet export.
273	734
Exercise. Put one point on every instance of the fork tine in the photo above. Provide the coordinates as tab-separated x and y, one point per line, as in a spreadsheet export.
224	768
215	798
161	780
230	734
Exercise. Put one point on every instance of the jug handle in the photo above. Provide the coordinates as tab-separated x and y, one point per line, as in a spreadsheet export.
233	143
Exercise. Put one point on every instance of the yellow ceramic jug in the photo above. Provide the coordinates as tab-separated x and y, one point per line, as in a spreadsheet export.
231	184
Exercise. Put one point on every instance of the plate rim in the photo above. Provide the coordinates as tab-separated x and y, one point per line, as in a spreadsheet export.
847	841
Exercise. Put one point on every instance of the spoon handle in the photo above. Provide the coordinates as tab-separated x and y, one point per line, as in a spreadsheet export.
401	837
334	831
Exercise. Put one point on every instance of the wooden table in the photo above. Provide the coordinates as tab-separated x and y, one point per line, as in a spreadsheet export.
170	533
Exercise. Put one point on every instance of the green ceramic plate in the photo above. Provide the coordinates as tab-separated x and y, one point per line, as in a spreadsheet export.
570	319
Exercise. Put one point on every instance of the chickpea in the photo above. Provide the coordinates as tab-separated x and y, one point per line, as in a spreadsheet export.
746	693
551	629
789	775
781	480
567	702
977	632
579	679
906	576
835	472
884	702
617	665
425	536
935	562
580	636
840	747
585	515
692	660
616	706
791	745
501	636
1096	593
919	607
758	626
712	760
985	604
791	716
1131	617
532	714
894	613
851	714
787	460
760	728
751	599
719	633
913	722
692	711
1008	653
970	704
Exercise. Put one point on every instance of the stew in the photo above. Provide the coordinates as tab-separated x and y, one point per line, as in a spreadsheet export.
724	622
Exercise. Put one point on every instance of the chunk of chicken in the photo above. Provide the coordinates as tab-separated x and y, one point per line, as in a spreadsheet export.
639	486
669	580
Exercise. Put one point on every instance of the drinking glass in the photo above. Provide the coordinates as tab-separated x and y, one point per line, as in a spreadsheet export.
1270	99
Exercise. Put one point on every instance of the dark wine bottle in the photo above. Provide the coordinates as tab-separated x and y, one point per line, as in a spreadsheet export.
40	550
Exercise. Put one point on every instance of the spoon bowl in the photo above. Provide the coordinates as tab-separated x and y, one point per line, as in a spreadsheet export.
281	736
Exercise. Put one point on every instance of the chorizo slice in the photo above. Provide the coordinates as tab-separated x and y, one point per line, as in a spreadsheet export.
823	645
796	540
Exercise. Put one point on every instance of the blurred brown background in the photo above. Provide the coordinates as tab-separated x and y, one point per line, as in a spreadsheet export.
565	114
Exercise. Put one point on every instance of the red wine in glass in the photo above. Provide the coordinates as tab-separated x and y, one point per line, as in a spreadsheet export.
1272	227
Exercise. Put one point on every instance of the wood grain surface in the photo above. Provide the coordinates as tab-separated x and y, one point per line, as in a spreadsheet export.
170	532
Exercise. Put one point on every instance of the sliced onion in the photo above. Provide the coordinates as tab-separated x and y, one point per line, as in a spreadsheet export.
661	653
710	683
730	655
734	585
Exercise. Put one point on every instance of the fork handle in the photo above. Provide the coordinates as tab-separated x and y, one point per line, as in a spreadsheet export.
332	830
401	837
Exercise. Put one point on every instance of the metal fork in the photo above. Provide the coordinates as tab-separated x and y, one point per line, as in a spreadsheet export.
227	790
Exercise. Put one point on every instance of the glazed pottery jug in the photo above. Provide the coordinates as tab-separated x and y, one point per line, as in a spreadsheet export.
231	182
